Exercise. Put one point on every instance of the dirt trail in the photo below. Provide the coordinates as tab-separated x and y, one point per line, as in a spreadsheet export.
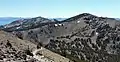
49	56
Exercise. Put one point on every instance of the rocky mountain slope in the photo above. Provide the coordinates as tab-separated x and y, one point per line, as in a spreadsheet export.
84	37
13	49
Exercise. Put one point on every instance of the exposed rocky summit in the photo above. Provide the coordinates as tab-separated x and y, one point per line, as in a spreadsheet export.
84	37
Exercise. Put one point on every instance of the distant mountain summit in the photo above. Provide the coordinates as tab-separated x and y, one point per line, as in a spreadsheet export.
28	23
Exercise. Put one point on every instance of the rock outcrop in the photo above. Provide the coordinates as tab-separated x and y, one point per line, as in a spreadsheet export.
13	49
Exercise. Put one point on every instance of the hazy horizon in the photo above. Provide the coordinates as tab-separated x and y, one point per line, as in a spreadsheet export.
59	8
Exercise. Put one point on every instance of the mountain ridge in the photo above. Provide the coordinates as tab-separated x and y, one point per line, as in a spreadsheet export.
83	37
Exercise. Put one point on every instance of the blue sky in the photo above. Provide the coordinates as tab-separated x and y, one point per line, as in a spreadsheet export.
58	8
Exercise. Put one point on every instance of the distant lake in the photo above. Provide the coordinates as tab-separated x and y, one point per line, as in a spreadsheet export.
7	20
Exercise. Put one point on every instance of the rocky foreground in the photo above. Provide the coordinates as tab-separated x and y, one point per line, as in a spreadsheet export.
13	49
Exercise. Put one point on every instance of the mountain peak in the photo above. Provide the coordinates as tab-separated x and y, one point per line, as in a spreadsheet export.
79	16
85	14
